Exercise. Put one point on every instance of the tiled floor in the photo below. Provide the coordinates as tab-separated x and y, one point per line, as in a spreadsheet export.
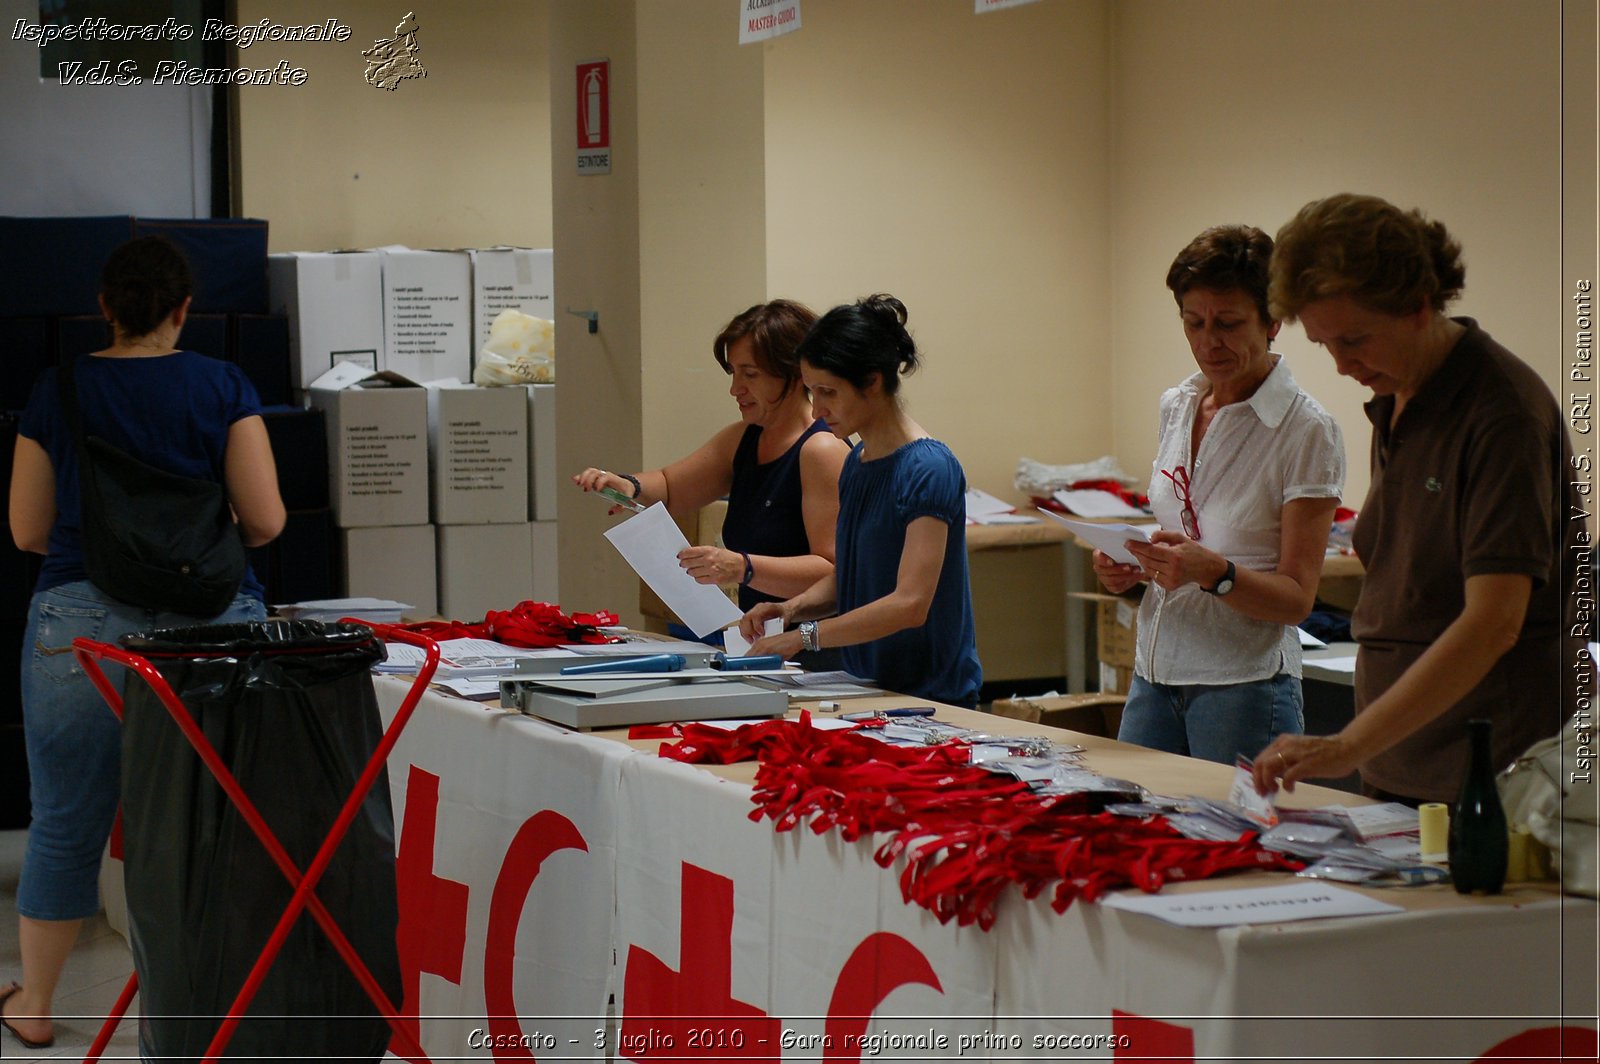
95	975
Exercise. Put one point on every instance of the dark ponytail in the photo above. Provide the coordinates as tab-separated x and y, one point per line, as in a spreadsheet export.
860	339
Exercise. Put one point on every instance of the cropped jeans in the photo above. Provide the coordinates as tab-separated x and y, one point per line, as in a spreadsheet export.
74	741
1213	722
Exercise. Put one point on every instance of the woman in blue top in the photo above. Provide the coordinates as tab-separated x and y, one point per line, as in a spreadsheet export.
177	410
898	600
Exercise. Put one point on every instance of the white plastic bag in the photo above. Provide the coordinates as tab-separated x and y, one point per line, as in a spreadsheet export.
1550	791
521	350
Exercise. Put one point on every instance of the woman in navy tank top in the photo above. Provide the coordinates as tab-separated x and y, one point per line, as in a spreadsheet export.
777	465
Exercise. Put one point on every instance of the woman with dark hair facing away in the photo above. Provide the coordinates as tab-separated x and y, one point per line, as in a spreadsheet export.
1247	474
1470	519
778	465
898	602
179	411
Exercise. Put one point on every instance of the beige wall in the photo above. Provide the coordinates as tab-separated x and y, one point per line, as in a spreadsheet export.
960	163
460	158
1243	110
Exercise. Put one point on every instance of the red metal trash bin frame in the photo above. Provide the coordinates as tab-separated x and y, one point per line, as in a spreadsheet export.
89	653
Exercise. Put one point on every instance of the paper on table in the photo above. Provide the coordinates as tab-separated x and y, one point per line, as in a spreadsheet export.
737	646
650	542
1309	640
1092	502
1258	905
1004	519
1335	664
1109	537
981	504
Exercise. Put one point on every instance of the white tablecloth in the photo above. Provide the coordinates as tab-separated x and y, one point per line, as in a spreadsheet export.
543	870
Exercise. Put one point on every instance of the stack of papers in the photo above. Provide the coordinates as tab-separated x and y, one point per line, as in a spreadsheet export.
371	610
985	509
1092	502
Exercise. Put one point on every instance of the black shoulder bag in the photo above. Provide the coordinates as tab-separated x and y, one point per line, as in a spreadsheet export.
152	538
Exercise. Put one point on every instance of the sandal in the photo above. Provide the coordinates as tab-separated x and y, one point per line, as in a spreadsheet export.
27	1043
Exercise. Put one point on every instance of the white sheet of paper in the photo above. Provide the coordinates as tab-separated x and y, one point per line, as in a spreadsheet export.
1109	537
1309	640
472	690
981	504
650	542
737	646
1092	502
1257	905
1005	519
1336	664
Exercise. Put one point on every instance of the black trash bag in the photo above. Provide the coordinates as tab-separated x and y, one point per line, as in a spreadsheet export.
290	709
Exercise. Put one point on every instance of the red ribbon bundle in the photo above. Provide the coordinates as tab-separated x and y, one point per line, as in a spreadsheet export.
966	833
527	624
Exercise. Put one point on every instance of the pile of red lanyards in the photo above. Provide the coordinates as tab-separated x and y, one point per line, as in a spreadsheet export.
965	832
527	624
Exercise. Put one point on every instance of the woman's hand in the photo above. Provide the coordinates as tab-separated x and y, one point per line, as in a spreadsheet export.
712	565
1116	577
1172	559
1291	758
787	644
593	479
753	625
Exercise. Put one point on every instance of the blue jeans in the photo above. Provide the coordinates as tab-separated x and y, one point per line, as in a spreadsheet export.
74	742
1213	722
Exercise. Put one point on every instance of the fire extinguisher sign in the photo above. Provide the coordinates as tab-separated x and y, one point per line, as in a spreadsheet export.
594	117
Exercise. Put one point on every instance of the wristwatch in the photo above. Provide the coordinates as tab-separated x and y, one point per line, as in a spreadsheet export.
1225	585
808	636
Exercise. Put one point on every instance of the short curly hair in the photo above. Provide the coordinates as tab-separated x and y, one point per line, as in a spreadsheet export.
1387	260
1224	258
774	330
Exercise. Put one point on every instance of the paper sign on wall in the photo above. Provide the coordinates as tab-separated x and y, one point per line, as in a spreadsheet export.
761	20
594	117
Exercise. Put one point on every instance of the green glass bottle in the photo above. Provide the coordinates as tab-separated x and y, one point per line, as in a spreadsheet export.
1478	838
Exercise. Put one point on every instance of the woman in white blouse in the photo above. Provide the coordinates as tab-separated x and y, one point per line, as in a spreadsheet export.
1245	481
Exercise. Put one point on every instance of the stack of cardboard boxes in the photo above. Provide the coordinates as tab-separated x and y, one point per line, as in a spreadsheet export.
443	492
1116	632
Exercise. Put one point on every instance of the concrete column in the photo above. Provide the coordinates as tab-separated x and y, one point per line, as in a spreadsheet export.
666	248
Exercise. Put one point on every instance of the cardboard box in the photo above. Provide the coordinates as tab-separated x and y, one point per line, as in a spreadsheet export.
1090	714
377	430
78	334
478	454
1116	627
334	301
30	346
1115	680
396	562
427	314
227	256
261	348
299	441
208	334
483	568
304	559
546	562
544	480
510	279
52	265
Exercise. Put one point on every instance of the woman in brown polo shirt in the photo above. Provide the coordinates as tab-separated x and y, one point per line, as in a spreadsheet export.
1466	527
